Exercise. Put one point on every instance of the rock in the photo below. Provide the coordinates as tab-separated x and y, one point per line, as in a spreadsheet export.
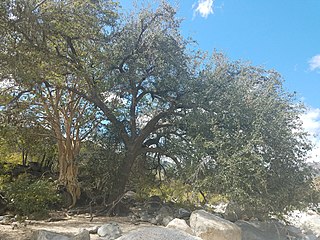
165	221
165	215
154	204
47	235
157	233
180	224
250	232
93	230
208	226
256	230
183	213
84	235
110	231
165	211
153	221
145	217
310	237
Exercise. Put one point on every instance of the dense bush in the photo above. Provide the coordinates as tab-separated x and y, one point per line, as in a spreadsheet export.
30	197
98	171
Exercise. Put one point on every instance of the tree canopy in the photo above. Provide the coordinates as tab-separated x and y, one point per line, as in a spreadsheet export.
84	70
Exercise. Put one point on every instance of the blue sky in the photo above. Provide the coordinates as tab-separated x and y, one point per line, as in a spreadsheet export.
277	34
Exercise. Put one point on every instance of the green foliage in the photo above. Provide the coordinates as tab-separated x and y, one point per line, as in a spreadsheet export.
30	197
172	191
249	142
98	166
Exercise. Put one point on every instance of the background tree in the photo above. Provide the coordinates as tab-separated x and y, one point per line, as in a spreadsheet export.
144	84
250	141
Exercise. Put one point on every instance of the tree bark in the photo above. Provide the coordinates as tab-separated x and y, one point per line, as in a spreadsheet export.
68	170
124	174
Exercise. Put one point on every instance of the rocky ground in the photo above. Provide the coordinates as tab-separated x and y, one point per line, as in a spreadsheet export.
69	225
159	221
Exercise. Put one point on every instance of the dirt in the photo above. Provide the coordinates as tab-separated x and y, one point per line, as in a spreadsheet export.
67	224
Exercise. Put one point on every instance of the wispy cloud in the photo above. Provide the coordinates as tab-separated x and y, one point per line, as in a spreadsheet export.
311	123
204	7
314	63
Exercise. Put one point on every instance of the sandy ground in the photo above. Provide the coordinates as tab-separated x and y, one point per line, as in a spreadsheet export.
71	225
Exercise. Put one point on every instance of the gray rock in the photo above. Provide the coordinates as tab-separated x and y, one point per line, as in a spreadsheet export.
180	224
250	232
47	235
84	235
145	217
154	204
165	211
157	233
93	230
153	221
110	231
165	221
208	226
164	215
256	230
310	237
183	213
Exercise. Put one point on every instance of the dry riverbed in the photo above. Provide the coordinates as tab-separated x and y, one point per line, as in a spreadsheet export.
66	224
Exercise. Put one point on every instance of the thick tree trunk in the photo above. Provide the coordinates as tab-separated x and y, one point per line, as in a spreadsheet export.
124	175
68	174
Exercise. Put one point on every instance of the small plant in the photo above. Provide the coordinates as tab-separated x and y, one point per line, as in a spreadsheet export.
31	198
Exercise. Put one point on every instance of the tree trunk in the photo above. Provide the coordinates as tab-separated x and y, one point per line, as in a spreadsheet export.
68	174
124	174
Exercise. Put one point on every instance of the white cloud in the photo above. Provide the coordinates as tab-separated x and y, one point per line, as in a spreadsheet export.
311	123
204	7
314	63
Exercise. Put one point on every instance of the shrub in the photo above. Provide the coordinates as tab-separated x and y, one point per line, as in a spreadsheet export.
30	197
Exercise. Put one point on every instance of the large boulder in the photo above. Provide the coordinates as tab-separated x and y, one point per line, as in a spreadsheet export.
180	224
267	230
110	231
208	226
157	233
48	235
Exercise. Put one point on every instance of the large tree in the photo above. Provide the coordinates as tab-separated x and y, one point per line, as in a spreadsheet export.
38	59
145	84
250	141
